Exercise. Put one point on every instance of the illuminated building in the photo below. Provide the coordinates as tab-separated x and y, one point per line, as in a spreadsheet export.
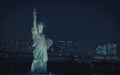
107	51
64	48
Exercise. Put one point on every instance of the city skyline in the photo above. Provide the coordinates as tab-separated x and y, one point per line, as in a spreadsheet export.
59	46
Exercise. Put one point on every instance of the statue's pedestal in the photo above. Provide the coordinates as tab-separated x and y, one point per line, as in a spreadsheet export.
40	74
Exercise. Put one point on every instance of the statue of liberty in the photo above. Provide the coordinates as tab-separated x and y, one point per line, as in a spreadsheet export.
40	46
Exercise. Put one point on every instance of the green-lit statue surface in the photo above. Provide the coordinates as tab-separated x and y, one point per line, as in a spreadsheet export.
40	46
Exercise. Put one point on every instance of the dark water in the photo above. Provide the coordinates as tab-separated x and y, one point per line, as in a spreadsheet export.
63	68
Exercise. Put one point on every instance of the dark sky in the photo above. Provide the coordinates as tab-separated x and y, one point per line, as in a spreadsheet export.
87	22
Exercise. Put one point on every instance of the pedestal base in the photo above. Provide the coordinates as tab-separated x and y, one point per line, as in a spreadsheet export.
40	74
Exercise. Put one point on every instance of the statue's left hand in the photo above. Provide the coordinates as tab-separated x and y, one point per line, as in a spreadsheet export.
49	42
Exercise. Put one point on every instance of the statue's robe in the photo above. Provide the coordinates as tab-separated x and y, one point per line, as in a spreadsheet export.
40	56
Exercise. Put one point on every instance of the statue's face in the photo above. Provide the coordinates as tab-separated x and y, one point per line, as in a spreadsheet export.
40	28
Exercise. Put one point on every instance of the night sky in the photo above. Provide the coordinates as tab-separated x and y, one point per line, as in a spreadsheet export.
87	22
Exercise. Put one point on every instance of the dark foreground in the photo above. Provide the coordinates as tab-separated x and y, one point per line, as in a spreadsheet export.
67	67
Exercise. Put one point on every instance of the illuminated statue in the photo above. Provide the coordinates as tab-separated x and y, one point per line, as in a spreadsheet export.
40	46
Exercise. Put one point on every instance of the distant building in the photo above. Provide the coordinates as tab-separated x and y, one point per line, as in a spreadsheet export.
101	50
18	46
64	47
112	49
107	51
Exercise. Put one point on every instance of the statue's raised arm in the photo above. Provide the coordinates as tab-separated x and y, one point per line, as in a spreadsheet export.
34	18
37	28
34	28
